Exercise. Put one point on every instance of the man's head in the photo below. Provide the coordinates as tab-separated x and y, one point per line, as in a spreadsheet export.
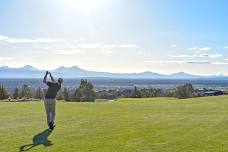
60	80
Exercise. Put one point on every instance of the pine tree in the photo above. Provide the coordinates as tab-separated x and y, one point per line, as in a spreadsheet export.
16	93
85	92
3	93
60	95
26	92
66	94
39	93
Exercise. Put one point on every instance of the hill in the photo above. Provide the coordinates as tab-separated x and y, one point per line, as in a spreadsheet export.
158	124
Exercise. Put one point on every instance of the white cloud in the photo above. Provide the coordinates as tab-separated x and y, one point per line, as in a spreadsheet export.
99	45
215	55
67	44
205	49
198	62
185	62
5	58
139	53
128	46
26	40
69	52
182	56
226	47
106	52
3	37
109	46
172	46
193	48
177	62
89	45
199	55
198	51
220	63
46	47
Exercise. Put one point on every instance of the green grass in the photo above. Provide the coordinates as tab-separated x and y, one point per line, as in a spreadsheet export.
127	125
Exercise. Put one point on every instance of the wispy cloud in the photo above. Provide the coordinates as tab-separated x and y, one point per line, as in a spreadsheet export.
128	46
193	48
220	63
215	56
27	40
226	47
89	45
68	52
198	62
99	45
199	55
173	45
182	56
109	46
185	62
106	52
177	62
205	49
5	58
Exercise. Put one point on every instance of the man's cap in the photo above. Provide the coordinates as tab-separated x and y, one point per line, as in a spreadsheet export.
60	80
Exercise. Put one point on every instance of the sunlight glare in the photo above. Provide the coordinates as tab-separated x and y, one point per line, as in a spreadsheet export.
83	5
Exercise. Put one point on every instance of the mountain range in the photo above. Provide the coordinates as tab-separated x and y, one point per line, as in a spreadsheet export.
76	72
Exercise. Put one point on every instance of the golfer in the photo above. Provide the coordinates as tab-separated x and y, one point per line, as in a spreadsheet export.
49	100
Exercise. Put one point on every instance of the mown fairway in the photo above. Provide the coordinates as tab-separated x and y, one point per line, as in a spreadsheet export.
127	125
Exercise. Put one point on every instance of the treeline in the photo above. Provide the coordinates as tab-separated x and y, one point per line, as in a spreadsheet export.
85	92
181	92
23	92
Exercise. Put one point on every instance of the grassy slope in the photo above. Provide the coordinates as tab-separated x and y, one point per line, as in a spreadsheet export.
160	124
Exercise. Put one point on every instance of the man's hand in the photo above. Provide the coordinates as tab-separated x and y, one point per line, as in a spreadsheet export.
45	77
53	80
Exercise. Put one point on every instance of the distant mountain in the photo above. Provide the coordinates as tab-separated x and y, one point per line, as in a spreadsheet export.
29	68
76	72
183	75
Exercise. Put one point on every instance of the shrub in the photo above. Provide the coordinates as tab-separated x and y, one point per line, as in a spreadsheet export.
185	91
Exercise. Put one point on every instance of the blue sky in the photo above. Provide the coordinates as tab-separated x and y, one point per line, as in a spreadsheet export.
164	36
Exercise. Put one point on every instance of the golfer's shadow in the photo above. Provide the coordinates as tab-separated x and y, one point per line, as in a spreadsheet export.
39	139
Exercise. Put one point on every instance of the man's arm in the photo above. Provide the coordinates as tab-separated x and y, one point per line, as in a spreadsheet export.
45	77
52	77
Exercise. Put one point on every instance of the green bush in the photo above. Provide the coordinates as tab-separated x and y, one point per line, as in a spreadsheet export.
185	91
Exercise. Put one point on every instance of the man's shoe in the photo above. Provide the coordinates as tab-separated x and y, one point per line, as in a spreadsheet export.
51	125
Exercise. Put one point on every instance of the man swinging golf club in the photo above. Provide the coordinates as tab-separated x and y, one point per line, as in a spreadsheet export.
49	100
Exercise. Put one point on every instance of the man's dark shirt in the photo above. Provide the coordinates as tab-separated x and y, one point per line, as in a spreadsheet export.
53	89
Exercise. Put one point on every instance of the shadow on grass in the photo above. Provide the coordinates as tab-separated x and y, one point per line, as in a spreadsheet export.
39	139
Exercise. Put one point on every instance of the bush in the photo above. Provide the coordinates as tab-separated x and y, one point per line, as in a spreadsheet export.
85	92
39	93
3	93
185	91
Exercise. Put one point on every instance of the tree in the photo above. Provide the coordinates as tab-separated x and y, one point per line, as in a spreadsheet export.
3	93
16	93
66	94
136	93
26	92
60	95
185	91
85	92
110	94
39	93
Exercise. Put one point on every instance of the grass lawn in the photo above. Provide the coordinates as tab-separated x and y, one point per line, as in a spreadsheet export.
126	125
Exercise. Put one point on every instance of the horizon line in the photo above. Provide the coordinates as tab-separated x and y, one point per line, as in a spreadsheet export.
63	66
